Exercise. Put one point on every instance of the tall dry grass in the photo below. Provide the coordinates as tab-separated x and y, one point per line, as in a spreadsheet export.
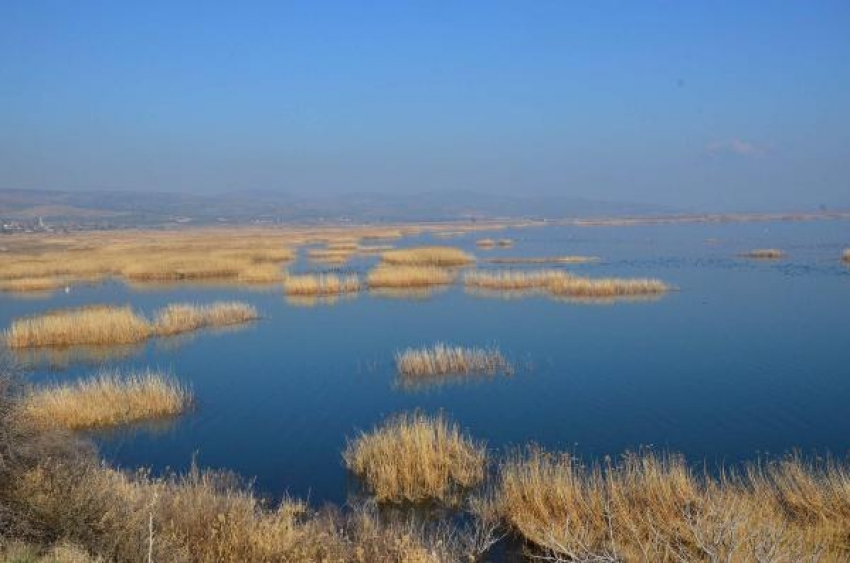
511	279
321	284
444	359
648	507
108	399
764	254
97	324
416	458
544	260
594	288
427	256
177	318
383	276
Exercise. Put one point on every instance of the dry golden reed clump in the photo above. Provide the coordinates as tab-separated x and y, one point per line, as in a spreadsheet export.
485	243
511	279
442	359
186	317
408	276
321	284
417	458
846	255
544	260
427	256
764	254
261	273
96	324
108	399
580	287
648	507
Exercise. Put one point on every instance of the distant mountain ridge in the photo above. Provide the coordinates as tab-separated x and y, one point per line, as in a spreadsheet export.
135	208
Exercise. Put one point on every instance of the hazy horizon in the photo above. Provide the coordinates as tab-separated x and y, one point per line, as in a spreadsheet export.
687	105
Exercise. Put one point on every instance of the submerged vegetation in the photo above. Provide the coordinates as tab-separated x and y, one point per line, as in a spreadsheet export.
109	324
415	458
321	284
764	254
383	276
428	256
108	399
443	359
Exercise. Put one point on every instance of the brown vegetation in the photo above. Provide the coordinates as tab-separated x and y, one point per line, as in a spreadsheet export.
321	284
579	287
186	317
108	399
846	255
764	254
427	256
442	359
650	507
416	458
511	279
408	276
544	260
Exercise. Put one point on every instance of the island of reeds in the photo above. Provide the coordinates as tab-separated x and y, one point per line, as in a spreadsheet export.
445	359
764	254
561	283
108	399
416	458
109	324
846	256
386	276
321	284
427	256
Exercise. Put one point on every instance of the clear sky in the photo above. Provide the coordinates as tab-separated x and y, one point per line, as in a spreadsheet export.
716	105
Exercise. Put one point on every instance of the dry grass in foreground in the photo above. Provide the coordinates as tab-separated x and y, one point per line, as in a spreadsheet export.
764	254
186	317
416	458
321	284
108	399
98	324
649	507
408	276
443	359
544	260
427	256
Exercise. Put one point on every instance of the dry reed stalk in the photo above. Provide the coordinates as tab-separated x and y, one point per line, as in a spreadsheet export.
443	359
416	458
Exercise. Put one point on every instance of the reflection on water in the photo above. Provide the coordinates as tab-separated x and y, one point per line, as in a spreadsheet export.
62	358
743	359
319	300
411	293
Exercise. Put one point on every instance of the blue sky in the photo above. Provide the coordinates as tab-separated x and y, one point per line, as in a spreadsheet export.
715	105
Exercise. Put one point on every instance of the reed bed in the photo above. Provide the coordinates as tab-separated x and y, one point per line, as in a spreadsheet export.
19	285
580	287
444	359
421	293
650	507
427	256
846	256
321	284
329	255
511	279
408	276
261	273
178	318
97	324
416	458
764	254
504	243
485	243
108	399
544	260
185	268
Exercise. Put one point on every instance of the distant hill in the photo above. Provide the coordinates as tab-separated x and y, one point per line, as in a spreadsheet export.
133	208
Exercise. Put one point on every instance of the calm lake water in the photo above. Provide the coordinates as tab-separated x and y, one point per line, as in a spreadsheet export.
747	358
